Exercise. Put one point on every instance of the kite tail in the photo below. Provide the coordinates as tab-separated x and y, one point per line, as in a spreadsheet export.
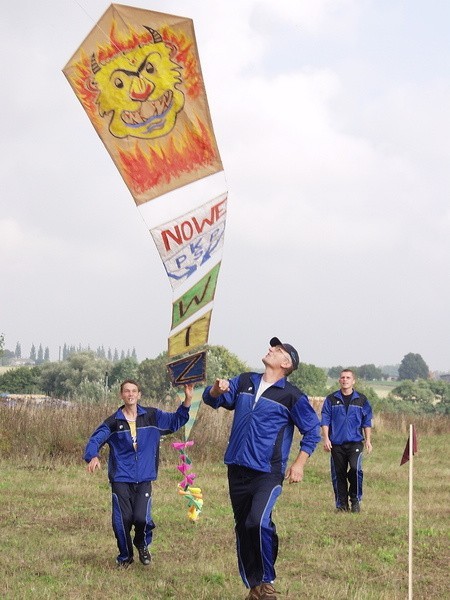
192	494
193	413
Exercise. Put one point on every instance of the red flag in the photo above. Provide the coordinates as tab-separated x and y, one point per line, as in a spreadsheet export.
405	456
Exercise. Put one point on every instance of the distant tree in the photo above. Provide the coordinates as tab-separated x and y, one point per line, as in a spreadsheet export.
122	355
64	379
423	396
40	355
116	355
222	363
109	355
23	380
310	379
133	354
414	391
69	351
7	357
46	354
52	377
2	347
441	391
390	370
334	372
369	372
154	378
155	381
123	369
413	367
18	351
33	353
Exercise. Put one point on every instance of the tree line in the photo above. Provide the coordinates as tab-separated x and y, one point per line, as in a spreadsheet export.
412	367
85	376
42	355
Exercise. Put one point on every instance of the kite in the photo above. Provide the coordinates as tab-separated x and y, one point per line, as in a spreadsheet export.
192	494
137	75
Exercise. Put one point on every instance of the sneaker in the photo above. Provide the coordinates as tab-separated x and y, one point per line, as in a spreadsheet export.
355	506
267	592
144	555
124	564
254	593
342	508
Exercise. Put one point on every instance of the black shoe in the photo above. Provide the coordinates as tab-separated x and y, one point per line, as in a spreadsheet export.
144	555
342	508
355	506
124	564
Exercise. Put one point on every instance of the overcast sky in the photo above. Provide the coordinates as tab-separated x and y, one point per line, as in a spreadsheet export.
332	121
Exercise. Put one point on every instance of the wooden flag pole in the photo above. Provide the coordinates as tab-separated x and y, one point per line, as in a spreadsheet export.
410	536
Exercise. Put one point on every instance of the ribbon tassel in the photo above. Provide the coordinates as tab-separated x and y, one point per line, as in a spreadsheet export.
192	494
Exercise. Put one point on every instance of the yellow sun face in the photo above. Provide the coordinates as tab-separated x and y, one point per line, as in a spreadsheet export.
138	90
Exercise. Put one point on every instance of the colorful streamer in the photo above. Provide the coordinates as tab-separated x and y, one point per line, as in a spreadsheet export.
192	494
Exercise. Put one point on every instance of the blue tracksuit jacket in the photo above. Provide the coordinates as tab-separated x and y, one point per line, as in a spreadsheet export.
346	423
261	434
125	463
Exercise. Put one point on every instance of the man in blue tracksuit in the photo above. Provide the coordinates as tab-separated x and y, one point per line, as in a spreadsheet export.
266	409
346	428
133	434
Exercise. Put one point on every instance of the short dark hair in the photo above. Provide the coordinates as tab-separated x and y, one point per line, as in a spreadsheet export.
348	371
132	381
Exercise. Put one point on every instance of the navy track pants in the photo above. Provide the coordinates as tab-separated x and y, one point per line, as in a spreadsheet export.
131	505
253	495
346	472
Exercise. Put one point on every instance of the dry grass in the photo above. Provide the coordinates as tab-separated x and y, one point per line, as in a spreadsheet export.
57	542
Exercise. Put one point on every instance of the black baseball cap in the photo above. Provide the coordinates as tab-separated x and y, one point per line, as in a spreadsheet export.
289	349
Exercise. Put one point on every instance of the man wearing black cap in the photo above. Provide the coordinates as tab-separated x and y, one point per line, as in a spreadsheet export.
266	409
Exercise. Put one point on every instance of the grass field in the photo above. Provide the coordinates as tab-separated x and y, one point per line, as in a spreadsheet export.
56	539
382	388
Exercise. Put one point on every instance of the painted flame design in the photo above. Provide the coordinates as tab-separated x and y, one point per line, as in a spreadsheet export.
145	170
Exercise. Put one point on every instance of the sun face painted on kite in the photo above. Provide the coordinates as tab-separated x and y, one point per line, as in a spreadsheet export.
138	90
137	75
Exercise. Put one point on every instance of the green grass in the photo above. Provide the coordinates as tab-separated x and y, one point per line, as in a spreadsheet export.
383	388
56	539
